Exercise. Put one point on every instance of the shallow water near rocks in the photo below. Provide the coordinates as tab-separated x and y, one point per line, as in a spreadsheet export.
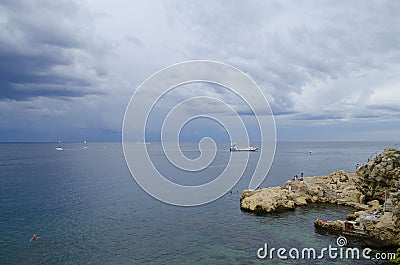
87	209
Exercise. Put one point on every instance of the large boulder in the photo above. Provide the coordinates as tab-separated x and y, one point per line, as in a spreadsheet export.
267	200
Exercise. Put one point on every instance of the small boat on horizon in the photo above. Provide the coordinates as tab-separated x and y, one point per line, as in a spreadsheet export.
234	148
59	148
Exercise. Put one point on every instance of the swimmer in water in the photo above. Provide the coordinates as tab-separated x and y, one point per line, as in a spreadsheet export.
34	237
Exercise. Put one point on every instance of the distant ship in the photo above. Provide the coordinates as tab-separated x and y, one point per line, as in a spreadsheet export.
234	148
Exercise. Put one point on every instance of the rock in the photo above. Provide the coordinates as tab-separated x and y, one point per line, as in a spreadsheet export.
350	193
389	149
362	199
371	182
311	190
351	217
374	205
334	227
396	209
300	201
266	200
379	175
359	213
385	231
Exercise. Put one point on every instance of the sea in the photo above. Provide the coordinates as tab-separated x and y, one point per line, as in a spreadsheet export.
86	208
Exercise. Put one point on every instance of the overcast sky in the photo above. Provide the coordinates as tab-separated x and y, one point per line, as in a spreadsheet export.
329	69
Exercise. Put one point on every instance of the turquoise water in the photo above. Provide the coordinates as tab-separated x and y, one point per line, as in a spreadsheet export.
87	209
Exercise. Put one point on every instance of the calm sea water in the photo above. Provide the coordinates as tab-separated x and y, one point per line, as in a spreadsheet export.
87	209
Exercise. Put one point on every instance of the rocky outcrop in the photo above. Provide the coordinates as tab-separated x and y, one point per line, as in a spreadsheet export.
338	187
379	175
378	181
384	231
379	234
373	183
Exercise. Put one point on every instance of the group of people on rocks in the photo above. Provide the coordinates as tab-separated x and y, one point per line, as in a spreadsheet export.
295	177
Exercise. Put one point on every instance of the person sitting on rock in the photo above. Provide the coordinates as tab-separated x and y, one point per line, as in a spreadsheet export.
301	177
344	179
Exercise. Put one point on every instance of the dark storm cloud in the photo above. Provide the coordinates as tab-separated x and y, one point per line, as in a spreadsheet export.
315	61
24	77
46	49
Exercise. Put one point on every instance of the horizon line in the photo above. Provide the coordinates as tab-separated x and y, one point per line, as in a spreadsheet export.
282	141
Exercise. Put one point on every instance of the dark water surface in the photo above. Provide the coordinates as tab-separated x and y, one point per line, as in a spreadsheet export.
87	209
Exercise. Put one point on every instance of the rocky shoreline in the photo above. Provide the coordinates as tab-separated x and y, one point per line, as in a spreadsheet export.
373	190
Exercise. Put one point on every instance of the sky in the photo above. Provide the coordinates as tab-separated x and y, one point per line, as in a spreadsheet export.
329	69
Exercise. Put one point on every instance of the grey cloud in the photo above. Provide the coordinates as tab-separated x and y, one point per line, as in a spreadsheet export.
390	108
46	49
368	116
135	41
287	46
310	58
318	117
